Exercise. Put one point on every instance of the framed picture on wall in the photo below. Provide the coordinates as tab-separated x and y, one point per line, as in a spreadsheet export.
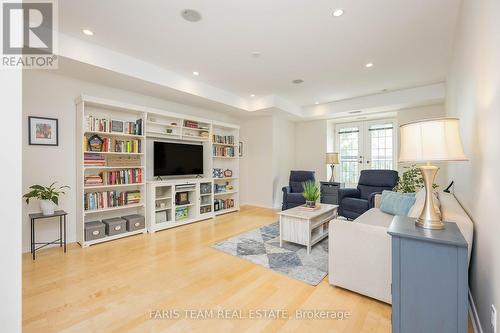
43	131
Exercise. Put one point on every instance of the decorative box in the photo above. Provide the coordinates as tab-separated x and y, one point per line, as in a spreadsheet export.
181	213
94	230
115	226
134	222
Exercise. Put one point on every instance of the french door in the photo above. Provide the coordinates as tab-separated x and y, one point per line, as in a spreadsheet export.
365	145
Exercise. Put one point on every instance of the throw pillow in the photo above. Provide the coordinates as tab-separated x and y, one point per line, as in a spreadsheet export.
396	203
419	204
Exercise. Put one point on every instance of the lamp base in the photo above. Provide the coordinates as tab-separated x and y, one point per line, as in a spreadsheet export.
429	218
331	178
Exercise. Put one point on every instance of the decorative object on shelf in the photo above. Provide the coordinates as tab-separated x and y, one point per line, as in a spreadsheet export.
182	198
218	173
191	124
205	188
117	126
173	124
431	140
411	181
43	131
311	193
240	149
95	143
228	173
332	159
169	131
181	213
48	196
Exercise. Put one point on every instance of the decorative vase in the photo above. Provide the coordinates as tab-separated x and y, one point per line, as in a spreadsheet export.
47	207
310	204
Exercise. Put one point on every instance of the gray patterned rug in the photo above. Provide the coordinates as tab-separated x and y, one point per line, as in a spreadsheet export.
262	247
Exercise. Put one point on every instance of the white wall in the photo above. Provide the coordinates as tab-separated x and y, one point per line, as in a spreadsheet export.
474	96
311	146
256	165
50	95
283	156
10	199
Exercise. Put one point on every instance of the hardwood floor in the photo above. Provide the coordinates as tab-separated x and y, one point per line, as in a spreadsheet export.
115	286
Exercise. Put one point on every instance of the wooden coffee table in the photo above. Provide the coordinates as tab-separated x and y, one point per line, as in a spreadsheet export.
306	227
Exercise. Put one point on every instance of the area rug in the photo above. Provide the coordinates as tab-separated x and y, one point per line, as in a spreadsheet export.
262	247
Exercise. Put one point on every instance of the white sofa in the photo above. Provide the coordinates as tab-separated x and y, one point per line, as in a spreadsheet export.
360	251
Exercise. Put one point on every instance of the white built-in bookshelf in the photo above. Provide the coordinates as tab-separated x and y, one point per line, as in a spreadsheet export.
101	173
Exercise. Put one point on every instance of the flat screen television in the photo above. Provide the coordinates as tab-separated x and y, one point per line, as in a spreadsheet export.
176	159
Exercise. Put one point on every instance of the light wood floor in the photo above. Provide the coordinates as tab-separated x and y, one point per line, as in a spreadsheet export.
113	287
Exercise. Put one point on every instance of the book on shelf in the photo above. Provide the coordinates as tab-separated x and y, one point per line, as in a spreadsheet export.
221	151
110	199
118	177
94	160
223	139
116	145
221	204
95	124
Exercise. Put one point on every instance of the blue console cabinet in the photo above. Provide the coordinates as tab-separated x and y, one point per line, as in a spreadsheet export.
429	278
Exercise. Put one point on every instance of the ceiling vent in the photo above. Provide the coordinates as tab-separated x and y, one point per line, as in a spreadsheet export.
355	112
191	15
297	81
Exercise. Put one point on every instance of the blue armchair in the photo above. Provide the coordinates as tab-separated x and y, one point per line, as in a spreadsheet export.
355	201
292	194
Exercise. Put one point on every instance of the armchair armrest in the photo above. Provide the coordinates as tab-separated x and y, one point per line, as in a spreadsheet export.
286	190
360	258
349	193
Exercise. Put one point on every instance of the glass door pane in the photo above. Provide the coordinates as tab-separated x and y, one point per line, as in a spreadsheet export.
349	138
380	154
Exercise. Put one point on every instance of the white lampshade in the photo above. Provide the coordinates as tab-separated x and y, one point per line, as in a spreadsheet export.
332	158
431	140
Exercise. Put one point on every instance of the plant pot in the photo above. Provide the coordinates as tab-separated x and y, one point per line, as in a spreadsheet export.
310	204
47	207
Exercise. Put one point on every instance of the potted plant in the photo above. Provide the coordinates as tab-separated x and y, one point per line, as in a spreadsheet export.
48	196
311	193
411	181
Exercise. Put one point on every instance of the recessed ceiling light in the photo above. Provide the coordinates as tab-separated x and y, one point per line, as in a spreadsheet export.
196	73
256	54
316	103
297	81
191	15
368	65
338	12
252	95
88	32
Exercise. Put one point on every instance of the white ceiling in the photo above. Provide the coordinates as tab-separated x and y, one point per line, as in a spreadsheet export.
409	42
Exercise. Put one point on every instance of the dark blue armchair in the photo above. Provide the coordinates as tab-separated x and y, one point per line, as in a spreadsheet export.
355	201
292	194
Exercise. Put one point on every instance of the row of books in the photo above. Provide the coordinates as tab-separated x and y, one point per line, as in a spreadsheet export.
128	176
113	145
109	199
223	151
224	139
94	124
220	204
94	160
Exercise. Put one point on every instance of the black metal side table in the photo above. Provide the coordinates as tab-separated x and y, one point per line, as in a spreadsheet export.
62	234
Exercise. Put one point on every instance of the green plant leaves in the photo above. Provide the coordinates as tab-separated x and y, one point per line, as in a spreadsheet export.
40	192
411	181
311	191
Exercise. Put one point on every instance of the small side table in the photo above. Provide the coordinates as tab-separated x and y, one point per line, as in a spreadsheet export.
62	234
330	192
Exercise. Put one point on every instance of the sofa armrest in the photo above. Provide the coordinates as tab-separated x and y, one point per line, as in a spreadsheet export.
360	258
349	193
377	200
371	199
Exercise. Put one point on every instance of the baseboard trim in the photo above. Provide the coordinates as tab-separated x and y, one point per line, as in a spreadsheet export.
476	324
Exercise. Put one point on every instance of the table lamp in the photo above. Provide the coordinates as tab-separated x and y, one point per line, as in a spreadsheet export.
425	141
332	159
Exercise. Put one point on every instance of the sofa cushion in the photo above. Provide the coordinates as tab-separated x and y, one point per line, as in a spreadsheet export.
375	217
396	203
354	204
296	198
